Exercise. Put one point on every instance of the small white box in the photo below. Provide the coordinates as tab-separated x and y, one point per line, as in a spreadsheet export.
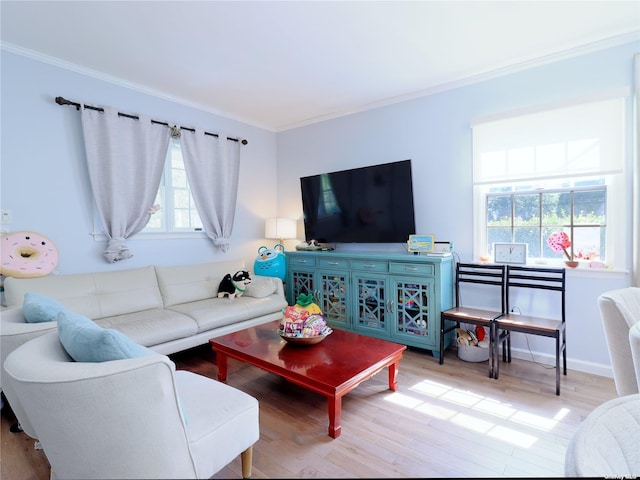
442	247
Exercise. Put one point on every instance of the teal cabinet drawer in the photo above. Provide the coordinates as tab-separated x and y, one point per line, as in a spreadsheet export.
370	265
411	268
302	261
333	263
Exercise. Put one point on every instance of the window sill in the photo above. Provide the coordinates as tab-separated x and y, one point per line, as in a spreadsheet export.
101	237
583	270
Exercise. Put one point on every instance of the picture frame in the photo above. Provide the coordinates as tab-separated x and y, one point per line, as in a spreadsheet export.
421	243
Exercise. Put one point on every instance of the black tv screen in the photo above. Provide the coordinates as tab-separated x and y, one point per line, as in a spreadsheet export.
362	205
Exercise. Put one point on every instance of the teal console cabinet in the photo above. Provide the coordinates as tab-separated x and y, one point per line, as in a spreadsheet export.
393	296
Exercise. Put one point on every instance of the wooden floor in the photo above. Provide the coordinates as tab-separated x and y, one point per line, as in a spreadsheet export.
446	420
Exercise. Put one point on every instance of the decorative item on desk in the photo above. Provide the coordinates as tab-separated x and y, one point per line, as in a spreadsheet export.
311	245
421	243
559	242
513	253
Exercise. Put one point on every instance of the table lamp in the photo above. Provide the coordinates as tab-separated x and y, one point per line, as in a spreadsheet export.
280	228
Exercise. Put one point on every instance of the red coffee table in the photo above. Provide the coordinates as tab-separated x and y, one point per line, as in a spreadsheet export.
331	368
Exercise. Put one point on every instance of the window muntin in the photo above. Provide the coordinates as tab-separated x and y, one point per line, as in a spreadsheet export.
522	214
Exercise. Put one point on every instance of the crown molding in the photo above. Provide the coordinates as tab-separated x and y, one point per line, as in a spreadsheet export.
466	80
477	77
57	62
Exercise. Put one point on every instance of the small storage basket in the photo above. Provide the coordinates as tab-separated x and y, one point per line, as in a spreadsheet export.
471	353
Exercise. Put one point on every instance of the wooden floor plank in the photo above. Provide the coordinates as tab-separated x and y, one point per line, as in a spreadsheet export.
447	420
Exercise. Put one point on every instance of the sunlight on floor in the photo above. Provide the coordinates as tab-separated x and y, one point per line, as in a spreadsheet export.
481	409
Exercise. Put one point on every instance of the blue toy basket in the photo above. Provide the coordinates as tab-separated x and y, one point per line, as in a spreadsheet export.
271	262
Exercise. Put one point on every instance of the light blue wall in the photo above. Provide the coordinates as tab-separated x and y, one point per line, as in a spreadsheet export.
45	182
434	131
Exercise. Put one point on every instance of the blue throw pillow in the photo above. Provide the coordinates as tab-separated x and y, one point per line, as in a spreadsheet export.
86	341
38	308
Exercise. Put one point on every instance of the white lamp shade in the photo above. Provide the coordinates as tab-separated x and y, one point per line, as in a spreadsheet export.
280	228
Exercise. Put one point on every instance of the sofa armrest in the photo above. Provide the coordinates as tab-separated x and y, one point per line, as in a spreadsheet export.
15	331
634	341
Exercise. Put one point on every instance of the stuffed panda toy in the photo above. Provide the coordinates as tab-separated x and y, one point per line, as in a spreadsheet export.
234	286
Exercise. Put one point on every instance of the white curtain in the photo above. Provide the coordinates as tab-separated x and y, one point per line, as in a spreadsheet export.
125	157
213	166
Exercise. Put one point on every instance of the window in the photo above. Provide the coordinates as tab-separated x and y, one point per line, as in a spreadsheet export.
551	171
531	216
177	209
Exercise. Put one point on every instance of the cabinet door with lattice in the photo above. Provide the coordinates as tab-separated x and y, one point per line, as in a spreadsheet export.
371	305
412	313
333	297
301	281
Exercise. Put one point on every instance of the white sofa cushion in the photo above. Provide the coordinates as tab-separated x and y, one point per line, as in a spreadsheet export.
218	312
190	283
152	327
94	295
261	287
223	412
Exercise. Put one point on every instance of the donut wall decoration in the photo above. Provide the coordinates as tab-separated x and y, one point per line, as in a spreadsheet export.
27	255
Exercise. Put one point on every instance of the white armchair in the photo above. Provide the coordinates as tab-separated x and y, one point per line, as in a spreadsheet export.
607	442
634	341
620	311
133	418
15	332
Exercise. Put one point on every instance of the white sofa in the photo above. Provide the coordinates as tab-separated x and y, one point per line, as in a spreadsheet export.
128	418
165	308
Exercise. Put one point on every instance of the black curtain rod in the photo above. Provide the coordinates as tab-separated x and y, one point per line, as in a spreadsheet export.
64	101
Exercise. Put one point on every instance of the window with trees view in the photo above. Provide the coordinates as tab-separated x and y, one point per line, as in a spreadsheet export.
557	170
530	216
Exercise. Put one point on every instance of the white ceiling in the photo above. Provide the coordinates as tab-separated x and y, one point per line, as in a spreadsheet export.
281	64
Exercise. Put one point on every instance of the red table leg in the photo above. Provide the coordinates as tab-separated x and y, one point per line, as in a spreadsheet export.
335	411
221	360
393	376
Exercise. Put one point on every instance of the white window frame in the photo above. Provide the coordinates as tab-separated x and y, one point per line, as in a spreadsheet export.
551	121
165	198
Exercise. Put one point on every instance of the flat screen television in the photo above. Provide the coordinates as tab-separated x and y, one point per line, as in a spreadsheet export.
371	204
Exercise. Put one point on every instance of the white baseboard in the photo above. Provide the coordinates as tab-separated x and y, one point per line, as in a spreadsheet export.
572	364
